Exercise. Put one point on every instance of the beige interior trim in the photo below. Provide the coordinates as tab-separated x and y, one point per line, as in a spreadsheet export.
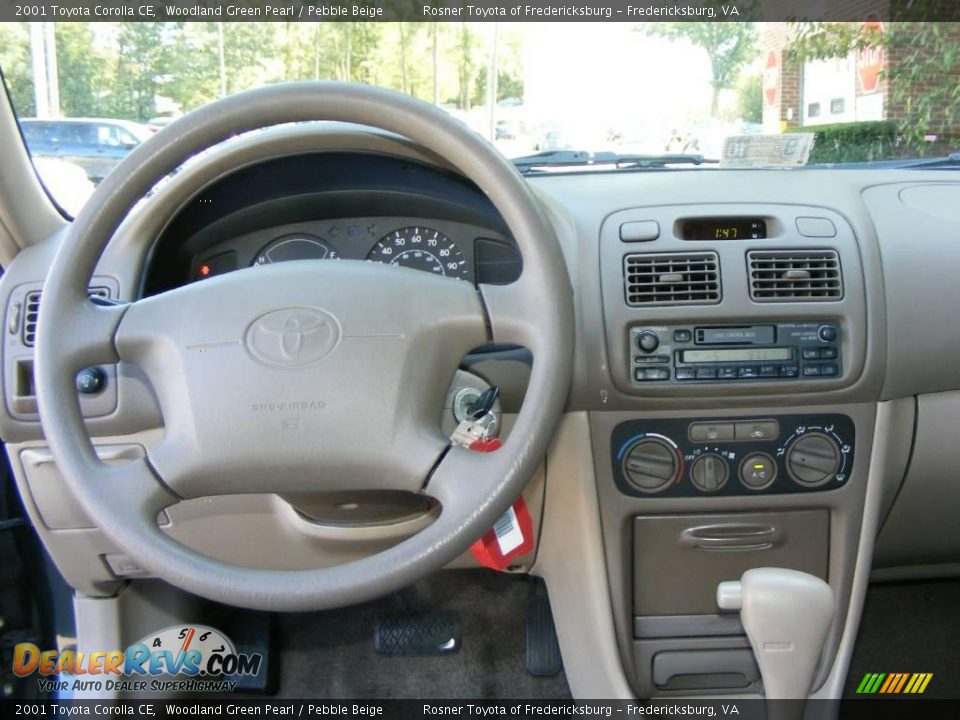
27	215
832	687
571	562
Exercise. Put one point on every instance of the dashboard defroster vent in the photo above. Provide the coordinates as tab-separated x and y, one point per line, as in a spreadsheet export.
794	275
32	312
671	279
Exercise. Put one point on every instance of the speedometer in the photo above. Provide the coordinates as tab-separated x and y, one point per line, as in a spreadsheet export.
421	248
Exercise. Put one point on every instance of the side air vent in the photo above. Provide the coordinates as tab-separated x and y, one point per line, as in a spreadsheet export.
32	312
794	275
671	279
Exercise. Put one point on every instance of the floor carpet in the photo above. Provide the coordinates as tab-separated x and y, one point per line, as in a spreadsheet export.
910	627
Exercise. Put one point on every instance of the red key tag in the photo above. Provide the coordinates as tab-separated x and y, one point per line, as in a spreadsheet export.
510	537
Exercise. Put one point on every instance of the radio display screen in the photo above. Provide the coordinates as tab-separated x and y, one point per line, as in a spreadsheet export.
769	354
724	228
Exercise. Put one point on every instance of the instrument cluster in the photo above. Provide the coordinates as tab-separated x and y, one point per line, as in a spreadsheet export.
441	247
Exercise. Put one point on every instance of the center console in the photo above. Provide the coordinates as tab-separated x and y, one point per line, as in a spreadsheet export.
738	327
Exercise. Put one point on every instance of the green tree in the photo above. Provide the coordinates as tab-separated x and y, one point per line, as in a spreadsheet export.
466	65
750	98
141	62
16	66
191	76
84	71
729	46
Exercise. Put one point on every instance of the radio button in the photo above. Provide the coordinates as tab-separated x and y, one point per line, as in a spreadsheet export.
710	432
788	371
640	231
769	371
685	373
727	373
651	359
706	373
759	430
811	353
654	373
648	341
811	370
682	336
828	369
828	353
748	371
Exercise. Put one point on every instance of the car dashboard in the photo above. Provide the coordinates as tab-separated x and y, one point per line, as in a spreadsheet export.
740	397
349	206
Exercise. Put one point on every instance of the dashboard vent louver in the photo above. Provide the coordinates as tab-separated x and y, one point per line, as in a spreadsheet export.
671	279
32	312
794	275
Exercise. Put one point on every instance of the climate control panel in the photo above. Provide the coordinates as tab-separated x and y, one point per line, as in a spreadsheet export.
733	456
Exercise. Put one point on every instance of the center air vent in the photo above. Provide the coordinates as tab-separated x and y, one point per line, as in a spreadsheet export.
794	275
671	279
32	312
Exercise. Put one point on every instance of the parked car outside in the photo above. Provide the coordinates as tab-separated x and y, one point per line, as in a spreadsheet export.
95	144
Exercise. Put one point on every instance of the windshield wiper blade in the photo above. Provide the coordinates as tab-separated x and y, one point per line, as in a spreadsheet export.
947	161
582	158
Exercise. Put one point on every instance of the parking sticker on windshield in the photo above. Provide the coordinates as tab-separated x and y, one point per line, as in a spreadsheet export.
749	151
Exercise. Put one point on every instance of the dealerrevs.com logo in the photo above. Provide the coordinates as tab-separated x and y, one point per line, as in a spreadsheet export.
181	658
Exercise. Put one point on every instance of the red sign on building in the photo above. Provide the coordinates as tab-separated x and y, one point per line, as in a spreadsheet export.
771	78
870	63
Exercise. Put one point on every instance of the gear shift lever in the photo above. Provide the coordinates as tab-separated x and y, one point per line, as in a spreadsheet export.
786	614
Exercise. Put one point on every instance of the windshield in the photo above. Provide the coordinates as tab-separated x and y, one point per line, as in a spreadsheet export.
742	93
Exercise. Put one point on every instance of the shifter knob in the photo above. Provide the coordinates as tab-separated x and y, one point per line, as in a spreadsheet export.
786	615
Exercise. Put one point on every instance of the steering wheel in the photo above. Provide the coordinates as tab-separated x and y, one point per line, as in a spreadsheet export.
303	377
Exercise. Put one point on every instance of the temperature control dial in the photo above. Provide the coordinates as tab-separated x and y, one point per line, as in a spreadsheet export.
709	472
651	465
813	459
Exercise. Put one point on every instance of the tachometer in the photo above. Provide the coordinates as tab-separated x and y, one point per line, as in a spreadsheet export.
295	247
421	248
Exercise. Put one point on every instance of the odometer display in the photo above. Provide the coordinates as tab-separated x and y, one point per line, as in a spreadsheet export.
421	248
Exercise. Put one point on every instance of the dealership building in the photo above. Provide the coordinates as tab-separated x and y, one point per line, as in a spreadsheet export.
854	88
818	92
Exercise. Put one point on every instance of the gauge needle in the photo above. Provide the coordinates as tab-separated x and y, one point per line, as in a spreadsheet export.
186	641
186	645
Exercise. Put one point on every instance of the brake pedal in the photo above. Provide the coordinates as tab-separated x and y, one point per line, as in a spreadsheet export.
541	655
413	633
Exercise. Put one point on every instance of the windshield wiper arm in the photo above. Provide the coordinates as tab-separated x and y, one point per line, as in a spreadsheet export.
949	161
581	158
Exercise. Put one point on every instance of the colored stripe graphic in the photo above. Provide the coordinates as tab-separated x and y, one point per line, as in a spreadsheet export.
894	683
903	681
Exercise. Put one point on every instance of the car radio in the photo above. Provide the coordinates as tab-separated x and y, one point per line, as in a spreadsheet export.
735	353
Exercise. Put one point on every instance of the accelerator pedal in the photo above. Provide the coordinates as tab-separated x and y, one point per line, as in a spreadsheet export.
417	633
541	655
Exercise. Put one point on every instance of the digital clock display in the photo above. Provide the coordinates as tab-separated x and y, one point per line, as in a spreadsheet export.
724	228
